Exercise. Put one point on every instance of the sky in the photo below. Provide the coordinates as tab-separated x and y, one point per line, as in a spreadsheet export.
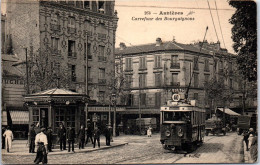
135	32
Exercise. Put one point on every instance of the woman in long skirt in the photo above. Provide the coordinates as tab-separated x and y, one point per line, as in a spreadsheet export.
8	139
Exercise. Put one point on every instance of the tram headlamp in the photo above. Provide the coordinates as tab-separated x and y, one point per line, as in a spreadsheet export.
167	133
180	132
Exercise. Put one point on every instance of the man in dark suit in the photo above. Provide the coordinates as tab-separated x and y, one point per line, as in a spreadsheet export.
96	137
89	134
107	134
81	137
32	135
49	137
71	138
62	136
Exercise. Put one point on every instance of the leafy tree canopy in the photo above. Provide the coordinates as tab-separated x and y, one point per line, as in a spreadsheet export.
245	37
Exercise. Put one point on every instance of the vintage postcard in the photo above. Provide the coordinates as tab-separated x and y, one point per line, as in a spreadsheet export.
128	82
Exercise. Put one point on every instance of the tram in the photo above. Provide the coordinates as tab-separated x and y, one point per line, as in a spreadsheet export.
182	125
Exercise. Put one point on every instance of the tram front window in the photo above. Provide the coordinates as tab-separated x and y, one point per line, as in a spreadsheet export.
177	116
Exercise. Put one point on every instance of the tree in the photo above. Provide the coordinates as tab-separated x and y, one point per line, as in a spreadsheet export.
45	72
245	37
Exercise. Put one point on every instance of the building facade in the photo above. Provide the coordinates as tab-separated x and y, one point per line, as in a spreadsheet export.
78	35
155	71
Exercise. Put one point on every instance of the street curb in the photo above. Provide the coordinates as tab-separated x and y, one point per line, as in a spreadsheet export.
62	153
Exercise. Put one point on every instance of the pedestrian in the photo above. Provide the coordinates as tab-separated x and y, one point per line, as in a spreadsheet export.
71	138
246	136
42	151
62	136
49	138
81	137
254	150
89	134
9	137
149	131
32	135
107	134
96	137
3	138
37	129
251	136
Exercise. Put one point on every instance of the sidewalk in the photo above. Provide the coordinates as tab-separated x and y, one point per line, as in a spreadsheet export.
20	147
247	157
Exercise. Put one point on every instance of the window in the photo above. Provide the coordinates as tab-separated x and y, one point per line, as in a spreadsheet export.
71	48
128	80
86	4
59	116
102	73
230	83
196	80
79	4
157	61
196	96
206	78
89	51
143	99
128	64
196	63
130	101
158	78
101	95
174	62
142	63
175	80
101	50
64	115
36	116
142	80
206	65
71	22
157	99
55	43
101	6
73	72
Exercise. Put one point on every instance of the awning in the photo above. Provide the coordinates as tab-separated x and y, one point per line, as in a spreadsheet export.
229	112
20	117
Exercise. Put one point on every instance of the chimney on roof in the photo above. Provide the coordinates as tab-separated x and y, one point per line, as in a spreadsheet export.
216	45
158	41
173	39
122	46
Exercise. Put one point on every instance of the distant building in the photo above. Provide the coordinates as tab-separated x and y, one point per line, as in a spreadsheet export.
156	71
12	97
80	35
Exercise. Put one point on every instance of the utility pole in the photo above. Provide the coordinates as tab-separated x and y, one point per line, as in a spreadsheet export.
27	72
86	84
139	106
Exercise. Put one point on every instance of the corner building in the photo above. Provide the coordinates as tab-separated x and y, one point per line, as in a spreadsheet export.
80	34
155	71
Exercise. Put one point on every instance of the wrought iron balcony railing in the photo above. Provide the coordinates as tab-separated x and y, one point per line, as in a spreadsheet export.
175	65
55	27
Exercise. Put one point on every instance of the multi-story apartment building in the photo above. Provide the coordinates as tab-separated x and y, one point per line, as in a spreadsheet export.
156	71
79	34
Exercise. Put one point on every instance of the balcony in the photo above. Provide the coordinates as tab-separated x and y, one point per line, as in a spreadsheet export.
175	65
54	27
71	30
142	69
72	54
101	81
128	69
102	58
206	69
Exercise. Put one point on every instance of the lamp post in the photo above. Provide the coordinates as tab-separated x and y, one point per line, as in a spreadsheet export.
114	103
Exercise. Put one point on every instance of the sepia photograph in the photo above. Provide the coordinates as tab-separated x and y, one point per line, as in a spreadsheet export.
129	82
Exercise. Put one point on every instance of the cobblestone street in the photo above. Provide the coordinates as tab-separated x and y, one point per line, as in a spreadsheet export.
141	149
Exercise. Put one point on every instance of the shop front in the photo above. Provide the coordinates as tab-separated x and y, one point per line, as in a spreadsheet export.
52	107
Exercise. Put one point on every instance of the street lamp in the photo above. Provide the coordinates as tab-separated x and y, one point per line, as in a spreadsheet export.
114	103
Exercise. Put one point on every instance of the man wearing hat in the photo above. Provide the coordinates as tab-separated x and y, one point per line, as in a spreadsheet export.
42	151
49	138
32	135
107	134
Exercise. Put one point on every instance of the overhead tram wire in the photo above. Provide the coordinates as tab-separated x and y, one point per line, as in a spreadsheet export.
172	7
220	25
213	20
